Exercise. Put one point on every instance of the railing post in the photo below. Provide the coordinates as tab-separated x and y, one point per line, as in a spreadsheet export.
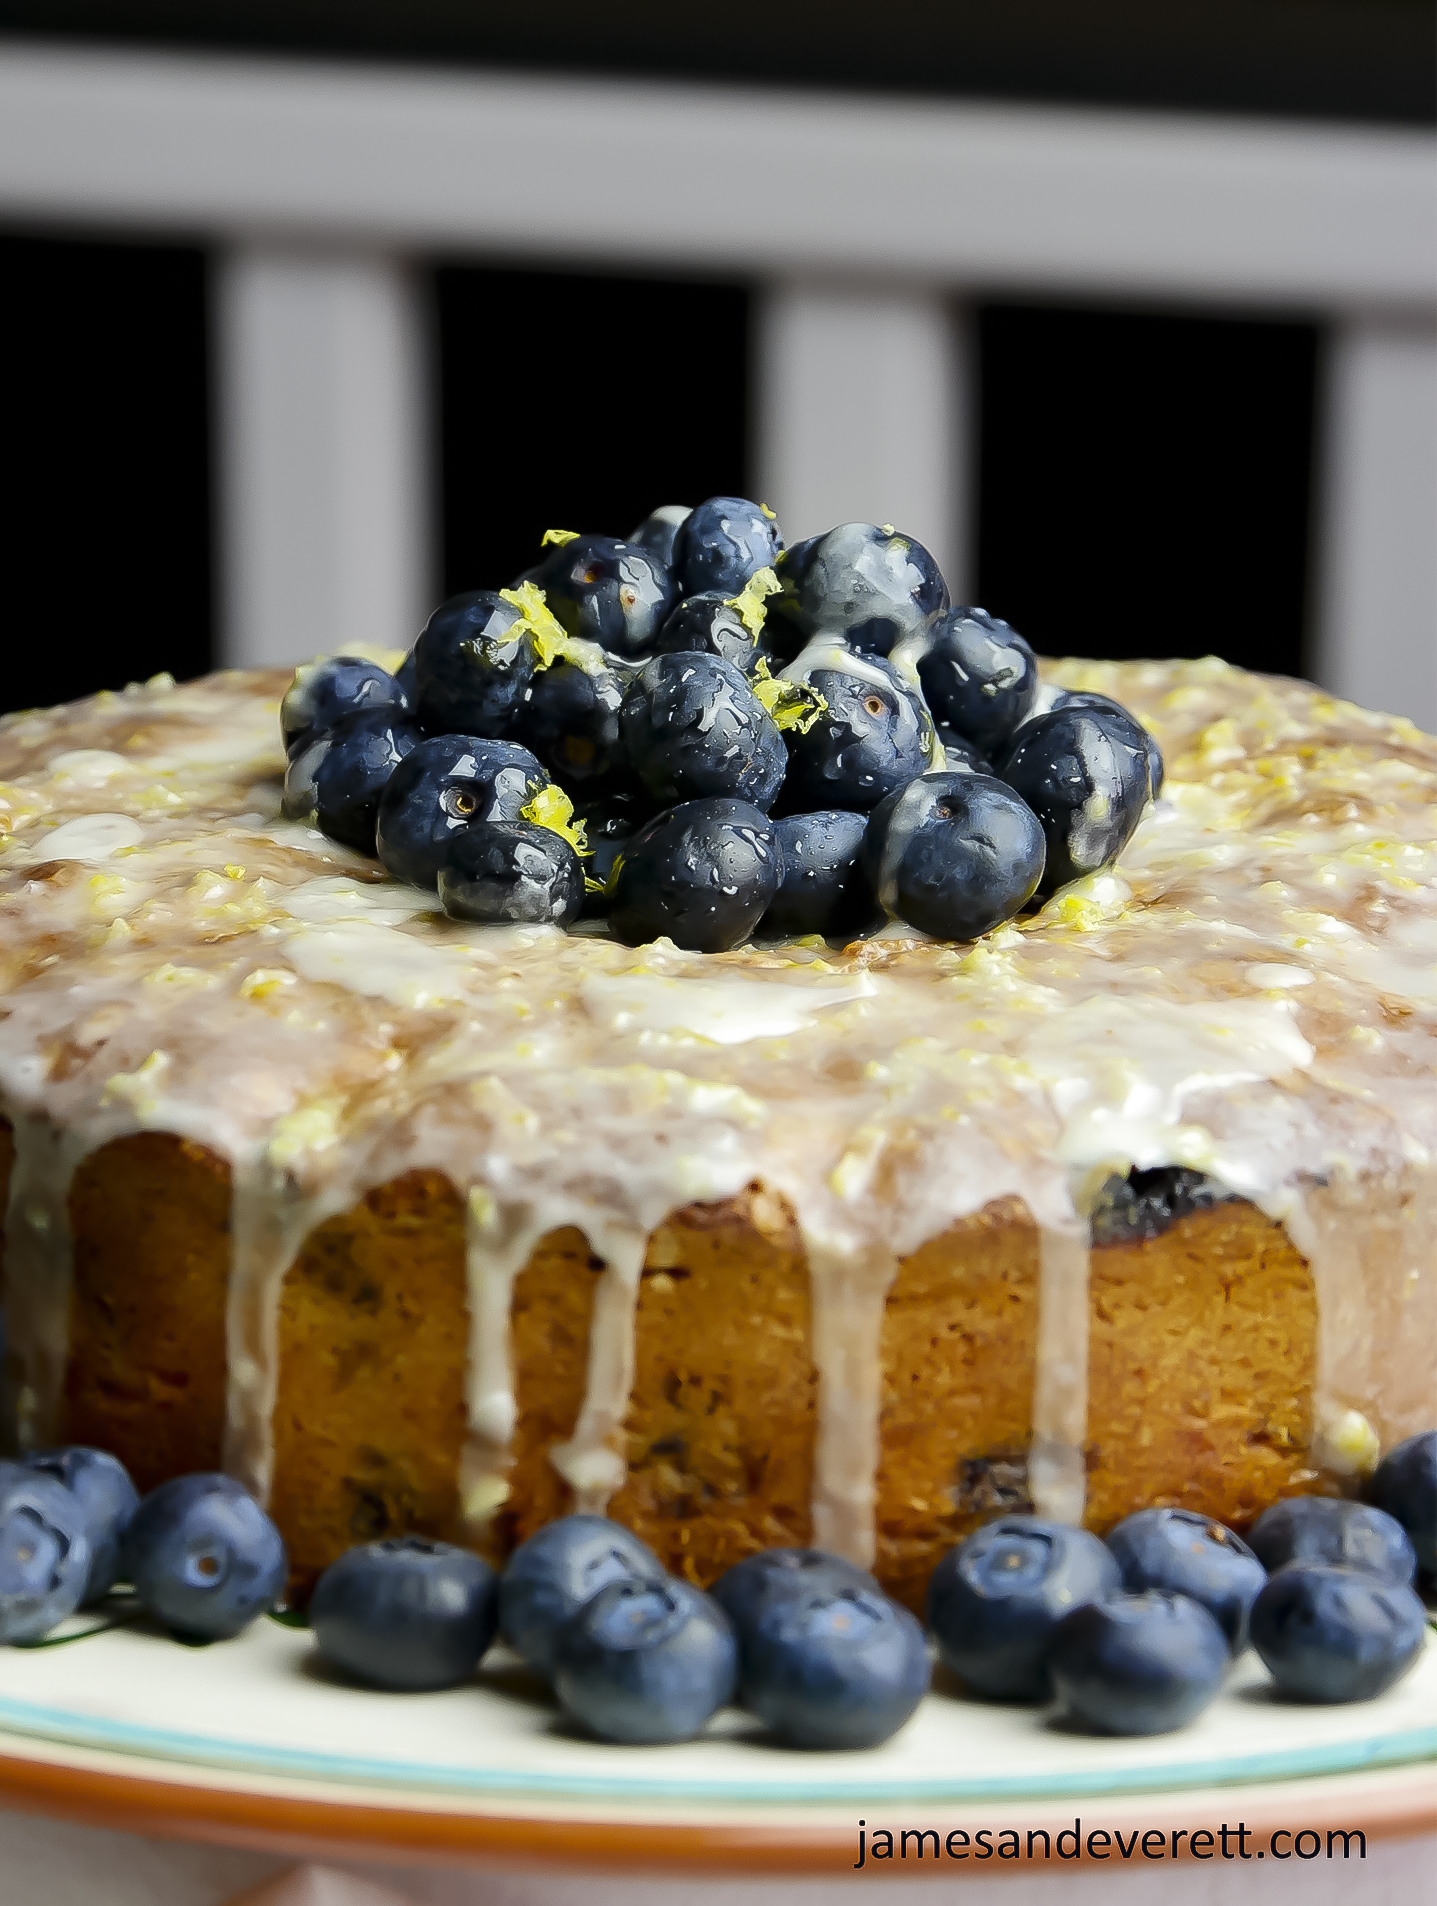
325	522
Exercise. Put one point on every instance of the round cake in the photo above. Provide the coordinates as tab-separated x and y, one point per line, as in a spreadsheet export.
413	1224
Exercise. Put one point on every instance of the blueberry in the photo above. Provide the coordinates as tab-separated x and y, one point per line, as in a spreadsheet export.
570	720
1084	773
744	1590
612	593
873	734
101	1485
722	543
869	585
1327	1529
646	1662
960	756
472	665
833	1665
205	1559
703	873
1089	698
336	685
1188	1554
979	675
45	1556
1329	1633
446	784
611	817
512	872
340	777
995	1602
824	888
552	1575
953	854
1405	1485
1144	1204
406	1613
657	531
405	675
1138	1664
711	624
693	728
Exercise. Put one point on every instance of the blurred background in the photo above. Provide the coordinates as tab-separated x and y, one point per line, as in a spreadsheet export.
314	312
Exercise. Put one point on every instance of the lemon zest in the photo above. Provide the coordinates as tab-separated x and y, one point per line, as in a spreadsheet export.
551	640
750	600
558	538
552	808
795	705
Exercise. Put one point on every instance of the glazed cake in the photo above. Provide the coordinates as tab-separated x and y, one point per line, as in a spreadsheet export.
416	1225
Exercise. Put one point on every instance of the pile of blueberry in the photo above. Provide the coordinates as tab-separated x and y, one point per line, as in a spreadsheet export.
1133	1635
697	732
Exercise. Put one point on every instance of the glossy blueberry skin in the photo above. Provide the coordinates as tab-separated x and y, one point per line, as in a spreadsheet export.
711	625
646	1662
836	1665
1089	698
101	1485
336	685
824	888
473	663
570	720
873	587
1331	1634
446	784
721	543
693	728
1067	764
45	1556
995	1602
657	531
512	873
204	1558
550	1577
1138	1664
1327	1529
703	873
1184	1553
340	777
406	1613
608	592
960	756
872	738
1405	1486
979	675
953	854
746	1589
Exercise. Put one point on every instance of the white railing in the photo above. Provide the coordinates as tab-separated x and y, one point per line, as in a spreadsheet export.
865	223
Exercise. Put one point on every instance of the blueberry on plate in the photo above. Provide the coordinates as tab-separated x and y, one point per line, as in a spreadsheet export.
645	1661
472	664
979	676
868	585
703	873
657	531
960	756
712	625
570	720
1329	1529
722	543
833	1665
1184	1553
551	1576
824	888
872	734
1138	1664
1089	698
45	1556
1084	773
204	1558
693	728
101	1485
953	854
1334	1634
337	780
1405	1486
444	785
605	591
406	1613
336	685
995	1602
744	1590
513	873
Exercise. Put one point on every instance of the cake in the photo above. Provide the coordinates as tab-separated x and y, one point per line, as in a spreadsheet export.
411	1224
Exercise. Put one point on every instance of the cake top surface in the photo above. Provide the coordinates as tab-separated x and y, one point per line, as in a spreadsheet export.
1251	993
